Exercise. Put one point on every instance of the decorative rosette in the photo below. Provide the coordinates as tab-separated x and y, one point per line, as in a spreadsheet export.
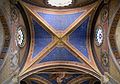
99	36
20	36
59	3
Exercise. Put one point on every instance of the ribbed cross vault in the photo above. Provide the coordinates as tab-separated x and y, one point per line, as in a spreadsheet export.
60	38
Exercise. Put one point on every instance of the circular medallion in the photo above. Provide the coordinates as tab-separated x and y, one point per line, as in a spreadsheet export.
20	36
105	59
104	15
99	36
14	14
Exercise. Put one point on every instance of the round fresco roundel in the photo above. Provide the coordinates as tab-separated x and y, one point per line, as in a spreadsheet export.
14	14
104	15
105	59
99	35
20	36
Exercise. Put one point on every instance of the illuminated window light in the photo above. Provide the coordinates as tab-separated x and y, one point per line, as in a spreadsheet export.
59	3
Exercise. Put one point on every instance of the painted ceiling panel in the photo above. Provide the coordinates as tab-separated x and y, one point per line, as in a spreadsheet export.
67	79
78	38
60	54
42	38
60	21
48	77
54	78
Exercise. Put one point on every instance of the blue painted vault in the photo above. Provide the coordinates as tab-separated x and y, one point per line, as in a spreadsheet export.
60	21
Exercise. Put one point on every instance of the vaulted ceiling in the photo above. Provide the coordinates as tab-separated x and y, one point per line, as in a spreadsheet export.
62	45
60	38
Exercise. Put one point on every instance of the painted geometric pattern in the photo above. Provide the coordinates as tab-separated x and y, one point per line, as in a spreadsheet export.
53	77
60	22
78	38
42	38
60	54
